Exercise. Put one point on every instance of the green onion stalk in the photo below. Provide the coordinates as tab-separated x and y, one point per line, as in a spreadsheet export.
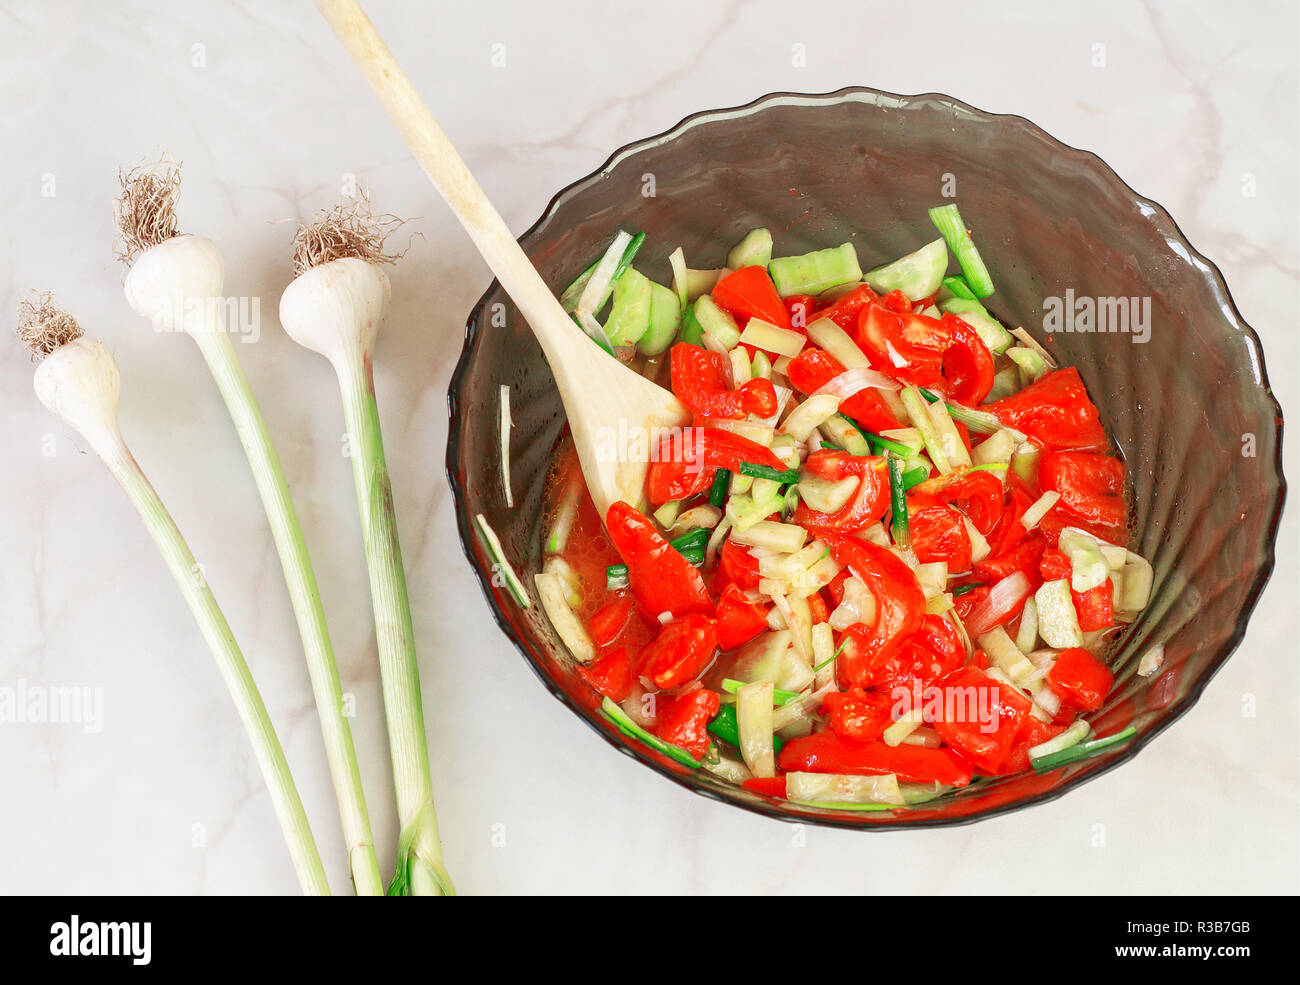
78	380
176	280
335	307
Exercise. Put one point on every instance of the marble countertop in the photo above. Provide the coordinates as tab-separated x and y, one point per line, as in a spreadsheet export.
1190	103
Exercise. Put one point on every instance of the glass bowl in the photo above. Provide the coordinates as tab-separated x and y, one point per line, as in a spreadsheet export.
1189	407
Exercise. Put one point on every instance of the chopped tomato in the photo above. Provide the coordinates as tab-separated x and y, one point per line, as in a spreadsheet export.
1080	679
868	503
1056	412
610	674
609	620
967	363
828	752
661	579
680	652
749	293
739	619
683	720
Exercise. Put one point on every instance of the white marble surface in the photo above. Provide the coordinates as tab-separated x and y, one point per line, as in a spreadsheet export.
1189	101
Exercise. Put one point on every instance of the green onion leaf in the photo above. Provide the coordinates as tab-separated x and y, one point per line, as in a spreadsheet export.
948	221
961	590
726	727
718	492
958	287
914	477
898	503
1083	750
779	696
763	472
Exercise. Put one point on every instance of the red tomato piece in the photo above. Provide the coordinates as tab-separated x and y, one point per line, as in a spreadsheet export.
684	720
610	674
979	717
906	346
749	293
608	621
740	566
661	579
859	714
682	649
739	619
900	605
938	533
1080	679
1091	488
868	503
827	752
1056	412
967	363
699	380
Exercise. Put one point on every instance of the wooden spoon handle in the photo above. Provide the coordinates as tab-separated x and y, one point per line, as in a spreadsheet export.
449	174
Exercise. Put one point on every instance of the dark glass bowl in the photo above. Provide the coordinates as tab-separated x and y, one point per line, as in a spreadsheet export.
1190	408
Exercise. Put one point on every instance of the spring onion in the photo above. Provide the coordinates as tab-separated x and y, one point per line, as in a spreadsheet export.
506	424
921	420
958	287
1076	733
631	729
1082	751
500	563
948	221
718	491
724	726
779	696
78	380
898	503
782	476
176	281
335	307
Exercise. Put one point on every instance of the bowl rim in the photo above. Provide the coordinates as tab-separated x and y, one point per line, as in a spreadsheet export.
1166	225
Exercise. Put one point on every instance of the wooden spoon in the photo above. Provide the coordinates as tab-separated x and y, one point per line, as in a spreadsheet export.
613	412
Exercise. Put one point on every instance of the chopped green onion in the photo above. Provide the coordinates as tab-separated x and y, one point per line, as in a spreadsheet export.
898	503
914	477
694	539
845	805
961	590
718	492
1083	750
726	727
888	444
616	575
958	287
631	729
948	221
980	421
780	697
500	562
782	476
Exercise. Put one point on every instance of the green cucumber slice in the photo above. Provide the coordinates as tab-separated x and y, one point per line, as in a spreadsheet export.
755	250
815	272
918	275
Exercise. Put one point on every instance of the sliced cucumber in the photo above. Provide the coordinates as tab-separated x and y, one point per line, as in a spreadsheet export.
665	317
974	314
717	322
1032	366
755	250
629	319
815	272
918	275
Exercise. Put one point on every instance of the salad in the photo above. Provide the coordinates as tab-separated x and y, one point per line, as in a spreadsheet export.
884	560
